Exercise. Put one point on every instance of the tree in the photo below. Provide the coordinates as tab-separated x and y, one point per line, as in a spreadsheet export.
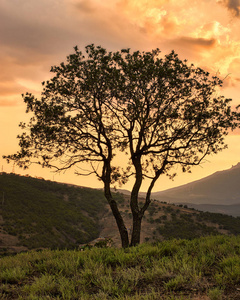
160	112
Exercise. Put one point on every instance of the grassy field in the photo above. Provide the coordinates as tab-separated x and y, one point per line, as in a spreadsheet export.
203	268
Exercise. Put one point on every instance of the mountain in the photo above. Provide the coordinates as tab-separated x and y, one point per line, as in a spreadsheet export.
212	192
232	210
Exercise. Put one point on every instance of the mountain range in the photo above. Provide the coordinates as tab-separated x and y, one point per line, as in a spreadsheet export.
219	192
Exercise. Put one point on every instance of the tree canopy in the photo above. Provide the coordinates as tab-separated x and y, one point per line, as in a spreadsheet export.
160	112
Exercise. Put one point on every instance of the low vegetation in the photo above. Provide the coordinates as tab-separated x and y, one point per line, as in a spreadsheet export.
48	214
172	221
45	214
206	267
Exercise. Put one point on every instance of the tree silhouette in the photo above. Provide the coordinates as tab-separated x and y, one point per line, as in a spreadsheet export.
160	112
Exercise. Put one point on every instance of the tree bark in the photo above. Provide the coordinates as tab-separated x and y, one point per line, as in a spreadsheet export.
106	177
136	230
136	213
119	220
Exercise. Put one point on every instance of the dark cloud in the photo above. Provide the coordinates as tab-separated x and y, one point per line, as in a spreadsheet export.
85	6
191	48
196	42
25	34
34	35
233	6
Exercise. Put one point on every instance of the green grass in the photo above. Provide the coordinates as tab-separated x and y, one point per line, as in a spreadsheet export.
176	269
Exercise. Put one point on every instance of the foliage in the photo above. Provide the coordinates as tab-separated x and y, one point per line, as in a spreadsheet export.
158	111
176	269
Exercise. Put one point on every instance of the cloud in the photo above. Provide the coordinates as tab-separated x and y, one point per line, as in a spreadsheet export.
85	6
34	35
232	5
197	42
37	34
29	32
105	23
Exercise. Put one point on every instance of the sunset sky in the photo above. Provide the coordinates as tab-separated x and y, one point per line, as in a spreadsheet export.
34	35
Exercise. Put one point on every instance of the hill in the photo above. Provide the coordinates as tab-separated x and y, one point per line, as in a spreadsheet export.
163	221
220	188
232	210
36	213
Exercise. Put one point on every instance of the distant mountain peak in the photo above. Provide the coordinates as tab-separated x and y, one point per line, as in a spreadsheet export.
220	188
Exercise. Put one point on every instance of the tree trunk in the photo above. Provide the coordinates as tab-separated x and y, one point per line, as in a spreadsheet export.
137	215
136	230
113	204
119	220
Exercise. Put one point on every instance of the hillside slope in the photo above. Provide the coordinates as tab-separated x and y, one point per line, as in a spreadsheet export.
37	213
43	214
220	188
164	221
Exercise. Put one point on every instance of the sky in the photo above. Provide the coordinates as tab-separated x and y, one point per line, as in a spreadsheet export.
35	35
